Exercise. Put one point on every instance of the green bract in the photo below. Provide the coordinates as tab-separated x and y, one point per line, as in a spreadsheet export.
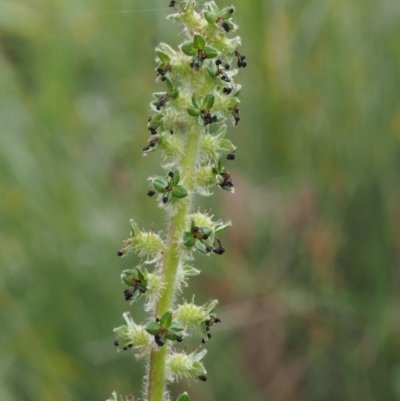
165	329
169	186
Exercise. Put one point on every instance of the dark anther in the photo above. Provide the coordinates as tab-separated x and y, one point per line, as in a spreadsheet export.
153	141
171	174
209	335
195	229
217	320
227	66
130	345
203	378
227	91
241	62
120	253
236	115
171	132
219	251
116	343
223	24
157	320
162	101
218	62
231	10
179	339
203	341
151	193
163	78
231	156
125	348
165	199
172	3
128	294
150	118
157	339
146	148
202	54
208	248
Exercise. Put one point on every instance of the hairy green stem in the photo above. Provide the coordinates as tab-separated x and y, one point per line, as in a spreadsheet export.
171	259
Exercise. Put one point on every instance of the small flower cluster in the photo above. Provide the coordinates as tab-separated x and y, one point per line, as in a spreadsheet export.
188	127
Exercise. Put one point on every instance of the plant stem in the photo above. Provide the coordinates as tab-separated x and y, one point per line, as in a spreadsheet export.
171	259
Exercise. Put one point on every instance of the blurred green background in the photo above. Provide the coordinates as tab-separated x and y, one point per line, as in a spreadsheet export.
309	285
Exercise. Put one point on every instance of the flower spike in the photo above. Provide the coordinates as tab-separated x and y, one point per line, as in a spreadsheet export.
188	125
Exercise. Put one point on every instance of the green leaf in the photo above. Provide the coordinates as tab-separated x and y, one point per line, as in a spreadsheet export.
176	177
143	285
211	71
227	145
210	51
135	294
170	85
199	42
189	49
210	17
159	184
140	275
225	12
198	369
200	246
212	7
134	227
208	102
203	329
190	271
166	319
196	101
159	95
174	94
192	111
179	192
237	90
219	116
188	239
222	226
127	274
152	328
206	231
155	121
211	306
169	197
183	397
176	327
231	25
172	336
200	355
220	168
164	58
